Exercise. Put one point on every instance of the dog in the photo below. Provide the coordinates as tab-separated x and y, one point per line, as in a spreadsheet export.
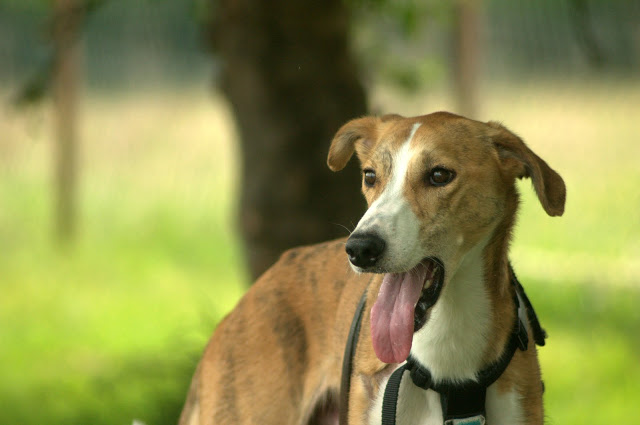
442	205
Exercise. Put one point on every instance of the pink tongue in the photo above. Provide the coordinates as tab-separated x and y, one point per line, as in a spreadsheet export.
392	314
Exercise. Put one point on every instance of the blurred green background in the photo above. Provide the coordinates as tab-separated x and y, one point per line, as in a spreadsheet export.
108	329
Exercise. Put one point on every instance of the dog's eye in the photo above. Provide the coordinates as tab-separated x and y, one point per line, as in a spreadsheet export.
441	176
369	177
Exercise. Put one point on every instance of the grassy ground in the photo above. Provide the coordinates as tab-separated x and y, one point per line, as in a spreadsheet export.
110	329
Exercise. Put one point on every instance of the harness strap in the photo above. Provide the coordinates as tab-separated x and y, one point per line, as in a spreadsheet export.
467	401
347	361
390	400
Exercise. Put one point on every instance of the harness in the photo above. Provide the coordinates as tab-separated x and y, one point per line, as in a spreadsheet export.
463	403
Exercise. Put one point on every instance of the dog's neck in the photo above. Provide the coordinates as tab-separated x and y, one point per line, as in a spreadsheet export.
461	336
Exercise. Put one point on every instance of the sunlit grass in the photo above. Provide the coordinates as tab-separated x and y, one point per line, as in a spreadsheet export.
109	329
590	363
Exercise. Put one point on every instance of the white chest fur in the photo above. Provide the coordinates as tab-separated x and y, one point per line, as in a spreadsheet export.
453	342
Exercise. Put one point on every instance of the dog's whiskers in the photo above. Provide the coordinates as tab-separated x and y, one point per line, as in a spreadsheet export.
345	227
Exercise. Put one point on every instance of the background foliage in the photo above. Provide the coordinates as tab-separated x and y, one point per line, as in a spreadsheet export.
109	330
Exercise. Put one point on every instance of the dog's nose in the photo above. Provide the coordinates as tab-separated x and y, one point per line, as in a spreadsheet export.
364	250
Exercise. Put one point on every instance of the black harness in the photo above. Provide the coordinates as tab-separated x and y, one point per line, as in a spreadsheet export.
462	402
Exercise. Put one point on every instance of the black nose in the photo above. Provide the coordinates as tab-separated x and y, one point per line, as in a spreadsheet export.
364	249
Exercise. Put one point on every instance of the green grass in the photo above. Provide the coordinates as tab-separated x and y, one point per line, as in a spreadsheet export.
590	363
109	329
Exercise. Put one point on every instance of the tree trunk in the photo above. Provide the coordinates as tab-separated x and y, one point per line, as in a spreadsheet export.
466	53
292	82
67	15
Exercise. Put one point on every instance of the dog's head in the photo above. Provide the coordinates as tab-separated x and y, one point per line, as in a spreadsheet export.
437	185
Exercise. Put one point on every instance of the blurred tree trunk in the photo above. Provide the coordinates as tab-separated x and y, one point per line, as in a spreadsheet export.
466	51
66	25
292	82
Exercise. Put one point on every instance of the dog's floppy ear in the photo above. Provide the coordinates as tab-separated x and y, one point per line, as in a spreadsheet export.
520	161
361	131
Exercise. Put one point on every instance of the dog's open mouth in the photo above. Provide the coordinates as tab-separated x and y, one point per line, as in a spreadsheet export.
402	308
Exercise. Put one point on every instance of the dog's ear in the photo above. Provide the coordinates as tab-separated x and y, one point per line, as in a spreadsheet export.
358	134
520	161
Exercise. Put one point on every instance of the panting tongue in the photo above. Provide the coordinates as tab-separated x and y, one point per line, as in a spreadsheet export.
392	314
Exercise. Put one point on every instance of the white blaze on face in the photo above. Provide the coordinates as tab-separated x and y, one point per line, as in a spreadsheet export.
391	217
